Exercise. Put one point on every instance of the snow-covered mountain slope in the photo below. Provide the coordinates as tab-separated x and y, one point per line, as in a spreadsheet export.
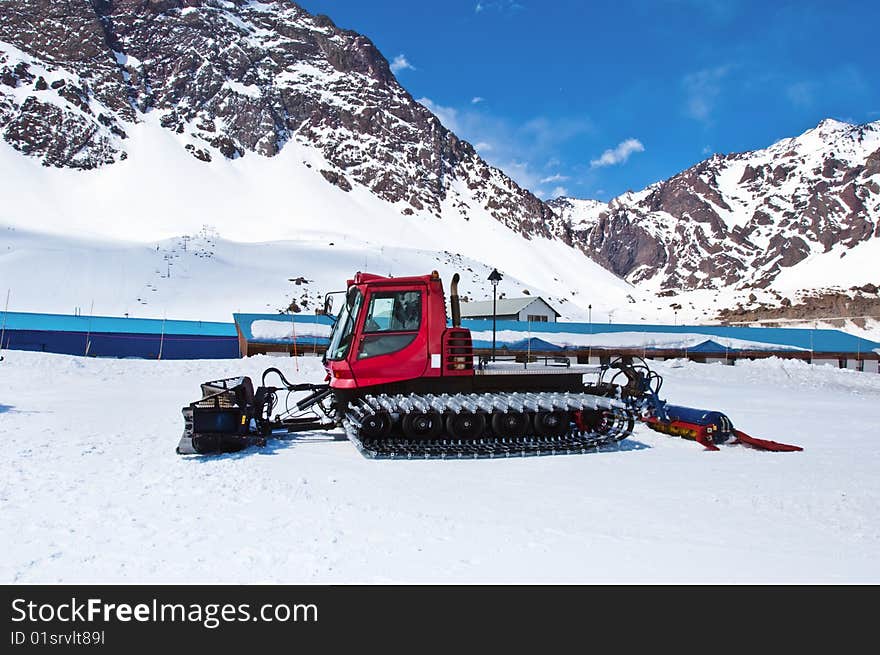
110	501
143	122
741	219
236	79
581	214
756	229
206	277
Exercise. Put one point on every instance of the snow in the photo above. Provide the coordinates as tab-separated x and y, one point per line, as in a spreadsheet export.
129	61
250	90
844	266
281	329
625	339
91	490
207	277
583	214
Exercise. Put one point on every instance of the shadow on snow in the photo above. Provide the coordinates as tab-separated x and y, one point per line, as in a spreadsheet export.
274	445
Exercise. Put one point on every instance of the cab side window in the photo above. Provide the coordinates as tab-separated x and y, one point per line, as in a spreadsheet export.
392	322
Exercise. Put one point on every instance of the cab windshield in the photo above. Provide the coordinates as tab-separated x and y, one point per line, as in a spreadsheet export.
343	330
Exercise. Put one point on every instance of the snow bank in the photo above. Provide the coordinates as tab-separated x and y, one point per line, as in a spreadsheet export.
283	330
660	340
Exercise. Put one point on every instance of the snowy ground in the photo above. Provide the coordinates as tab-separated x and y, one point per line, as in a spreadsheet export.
91	490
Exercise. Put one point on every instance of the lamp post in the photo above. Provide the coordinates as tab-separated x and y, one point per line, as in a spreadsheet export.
293	324
494	278
590	347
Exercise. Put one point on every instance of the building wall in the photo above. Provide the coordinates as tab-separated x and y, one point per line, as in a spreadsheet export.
538	308
121	344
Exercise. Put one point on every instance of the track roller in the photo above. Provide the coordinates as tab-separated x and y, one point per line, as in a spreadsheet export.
511	424
422	425
376	426
466	425
552	424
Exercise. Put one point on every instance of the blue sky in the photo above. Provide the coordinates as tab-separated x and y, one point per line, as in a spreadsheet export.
590	99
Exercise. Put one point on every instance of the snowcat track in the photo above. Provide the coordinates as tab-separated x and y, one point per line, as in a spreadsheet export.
618	425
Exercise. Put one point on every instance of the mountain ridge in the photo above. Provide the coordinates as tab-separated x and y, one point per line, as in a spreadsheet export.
748	201
93	68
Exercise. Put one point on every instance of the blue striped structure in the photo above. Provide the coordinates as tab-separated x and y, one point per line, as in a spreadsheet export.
107	336
818	341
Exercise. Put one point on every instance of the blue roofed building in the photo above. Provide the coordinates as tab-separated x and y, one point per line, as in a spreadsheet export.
289	334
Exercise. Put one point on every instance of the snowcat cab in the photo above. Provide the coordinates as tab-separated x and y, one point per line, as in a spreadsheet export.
394	330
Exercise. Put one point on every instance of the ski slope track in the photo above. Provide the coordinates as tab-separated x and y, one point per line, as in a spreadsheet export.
100	496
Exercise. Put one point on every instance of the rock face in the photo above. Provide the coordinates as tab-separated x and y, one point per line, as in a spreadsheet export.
738	220
235	78
856	303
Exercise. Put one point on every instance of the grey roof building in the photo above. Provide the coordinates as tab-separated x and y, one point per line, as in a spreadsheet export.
512	309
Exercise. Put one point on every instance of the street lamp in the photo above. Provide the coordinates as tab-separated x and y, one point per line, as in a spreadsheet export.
293	324
494	278
590	346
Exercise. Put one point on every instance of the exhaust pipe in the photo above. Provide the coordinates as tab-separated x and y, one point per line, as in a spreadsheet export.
454	304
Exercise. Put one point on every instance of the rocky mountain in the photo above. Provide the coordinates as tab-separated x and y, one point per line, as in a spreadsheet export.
237	78
741	220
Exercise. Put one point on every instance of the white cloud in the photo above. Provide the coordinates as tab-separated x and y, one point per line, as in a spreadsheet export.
801	94
526	152
546	133
401	63
519	171
477	100
447	115
702	90
619	154
498	5
558	191
707	150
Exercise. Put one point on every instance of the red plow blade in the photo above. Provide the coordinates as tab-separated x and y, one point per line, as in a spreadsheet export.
764	444
708	435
